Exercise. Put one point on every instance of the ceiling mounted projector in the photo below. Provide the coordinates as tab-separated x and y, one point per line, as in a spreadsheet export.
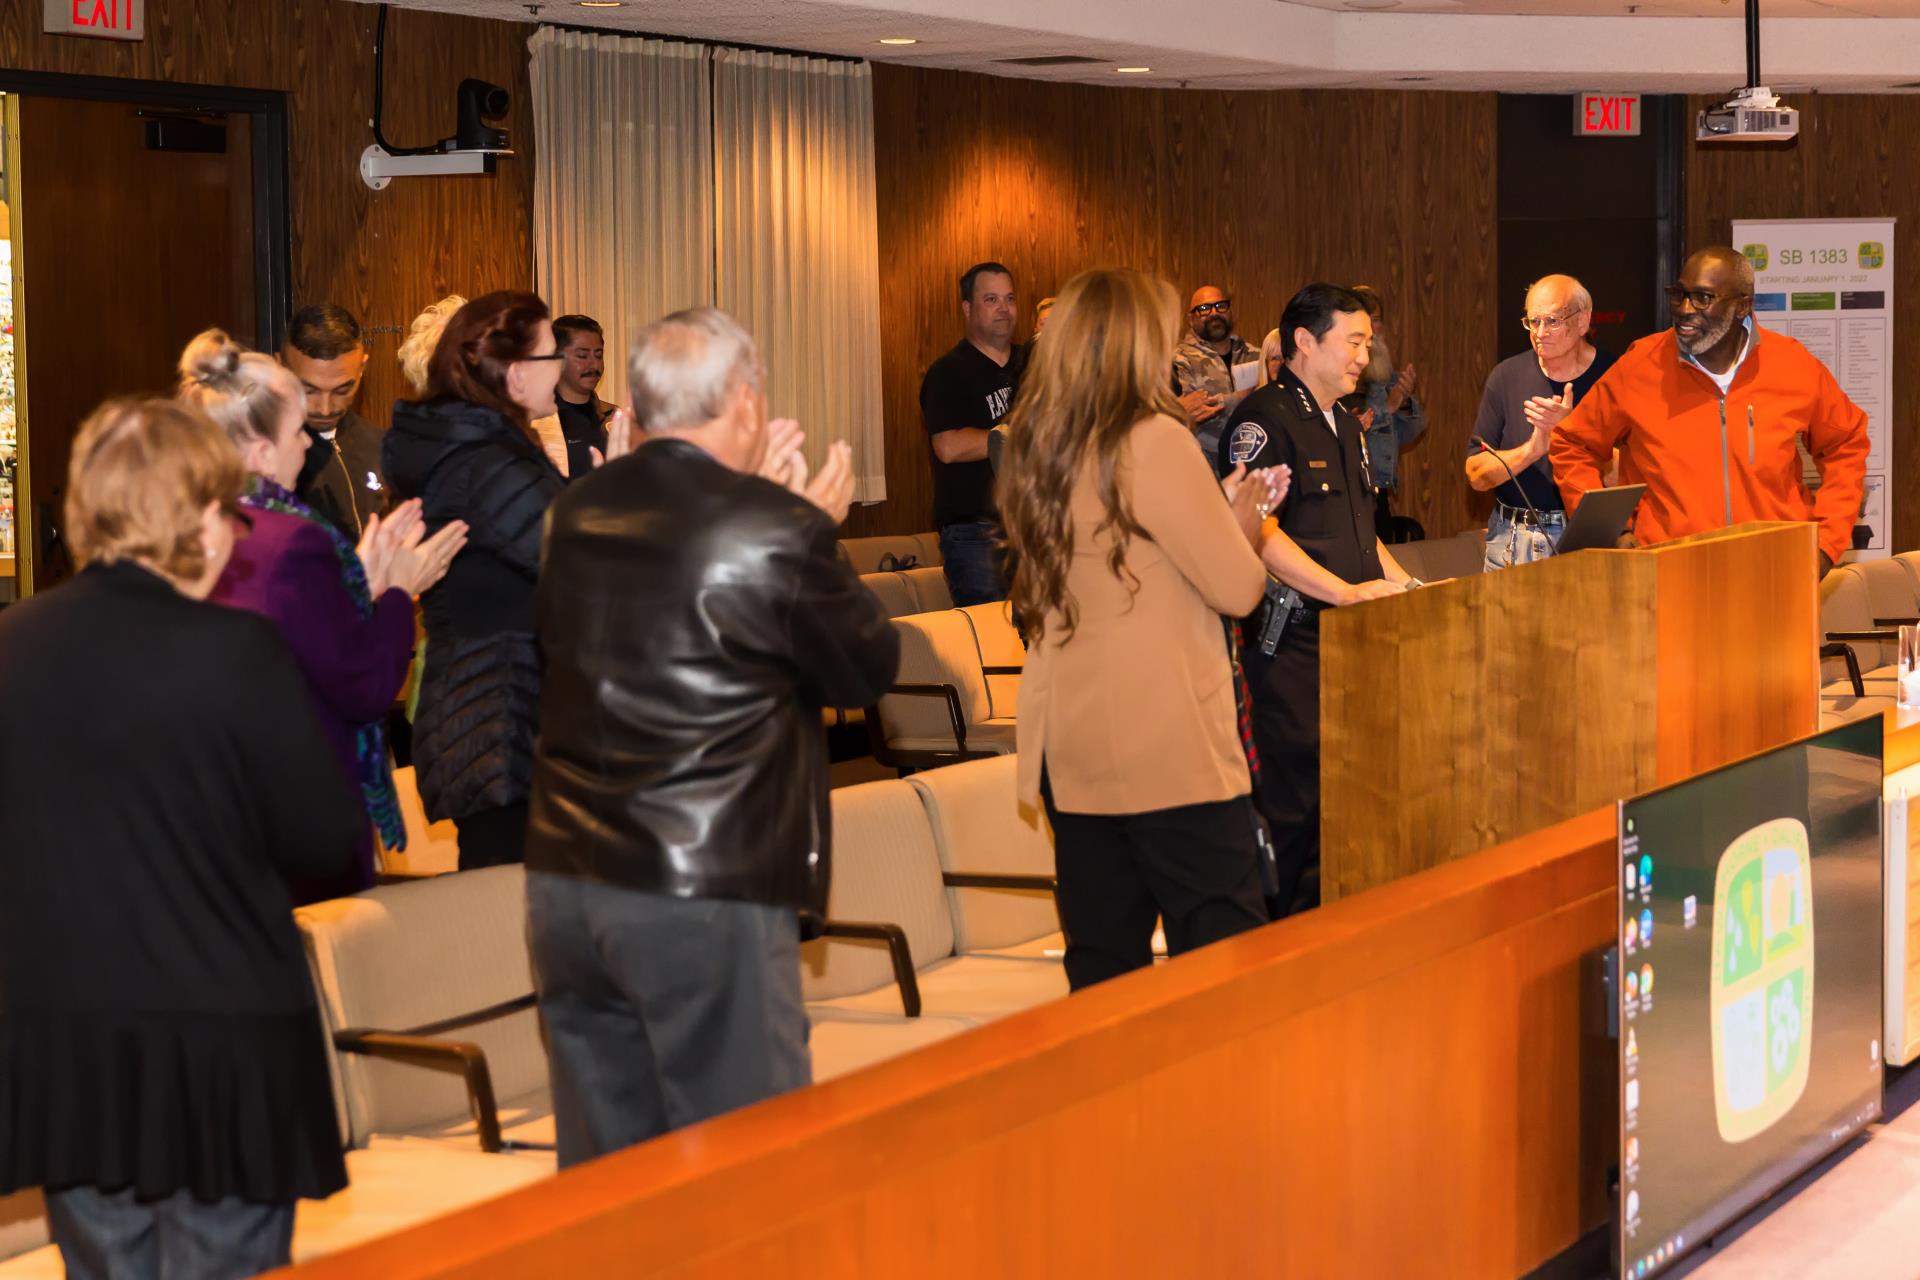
1753	114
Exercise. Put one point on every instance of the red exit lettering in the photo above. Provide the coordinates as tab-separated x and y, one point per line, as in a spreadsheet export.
1607	114
111	15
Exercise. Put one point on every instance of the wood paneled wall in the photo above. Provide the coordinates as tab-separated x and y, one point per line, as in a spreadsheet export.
1853	160
382	255
1259	192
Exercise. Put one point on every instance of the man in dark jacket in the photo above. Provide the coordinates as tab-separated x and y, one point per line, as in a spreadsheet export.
694	619
342	479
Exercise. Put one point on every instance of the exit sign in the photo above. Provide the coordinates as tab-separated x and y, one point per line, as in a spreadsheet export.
1606	115
103	19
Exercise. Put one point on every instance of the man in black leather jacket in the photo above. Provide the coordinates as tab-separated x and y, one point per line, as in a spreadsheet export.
694	620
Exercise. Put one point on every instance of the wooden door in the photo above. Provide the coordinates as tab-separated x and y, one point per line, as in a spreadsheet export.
129	247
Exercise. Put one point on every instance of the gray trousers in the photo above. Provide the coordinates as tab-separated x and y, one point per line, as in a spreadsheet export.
111	1236
661	1012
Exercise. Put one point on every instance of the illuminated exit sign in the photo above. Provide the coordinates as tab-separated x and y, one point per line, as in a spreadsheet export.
102	19
1606	115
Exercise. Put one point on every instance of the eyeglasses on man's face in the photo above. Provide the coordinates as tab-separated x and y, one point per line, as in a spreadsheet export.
558	355
1553	323
1701	299
1219	308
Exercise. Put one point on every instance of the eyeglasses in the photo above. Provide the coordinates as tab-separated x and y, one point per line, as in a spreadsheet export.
1546	324
1702	299
558	355
1211	308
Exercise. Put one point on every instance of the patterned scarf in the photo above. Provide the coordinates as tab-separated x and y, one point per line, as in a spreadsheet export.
372	764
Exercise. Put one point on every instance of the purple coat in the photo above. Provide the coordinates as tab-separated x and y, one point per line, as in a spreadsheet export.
286	570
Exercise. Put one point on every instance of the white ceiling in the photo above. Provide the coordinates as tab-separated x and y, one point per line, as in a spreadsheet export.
1512	45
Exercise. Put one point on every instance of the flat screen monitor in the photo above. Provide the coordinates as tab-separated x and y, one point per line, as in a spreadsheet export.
1749	985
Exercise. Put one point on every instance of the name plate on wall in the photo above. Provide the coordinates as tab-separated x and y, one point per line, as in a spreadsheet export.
101	19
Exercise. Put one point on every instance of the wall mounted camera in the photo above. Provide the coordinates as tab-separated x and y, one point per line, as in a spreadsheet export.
474	147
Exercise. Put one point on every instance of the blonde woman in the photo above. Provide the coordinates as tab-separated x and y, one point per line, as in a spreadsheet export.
1126	557
1270	357
346	612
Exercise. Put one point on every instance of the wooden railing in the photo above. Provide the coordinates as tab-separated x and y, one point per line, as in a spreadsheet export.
1405	1082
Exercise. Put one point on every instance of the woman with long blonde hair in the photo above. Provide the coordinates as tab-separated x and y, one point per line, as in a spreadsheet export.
1126	557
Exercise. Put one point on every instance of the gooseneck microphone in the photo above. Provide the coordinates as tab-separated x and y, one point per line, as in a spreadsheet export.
1495	455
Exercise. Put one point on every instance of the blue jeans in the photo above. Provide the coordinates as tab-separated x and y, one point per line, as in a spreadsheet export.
661	1012
971	563
1513	537
111	1236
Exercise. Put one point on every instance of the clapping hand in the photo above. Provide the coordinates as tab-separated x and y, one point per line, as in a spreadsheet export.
1545	413
1200	405
1253	495
832	489
1402	389
784	438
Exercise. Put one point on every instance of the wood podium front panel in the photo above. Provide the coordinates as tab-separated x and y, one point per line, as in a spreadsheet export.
1474	711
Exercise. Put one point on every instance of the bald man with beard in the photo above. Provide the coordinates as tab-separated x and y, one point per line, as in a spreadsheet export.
1204	367
1707	415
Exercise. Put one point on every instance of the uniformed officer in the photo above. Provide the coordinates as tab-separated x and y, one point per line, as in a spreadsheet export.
1321	550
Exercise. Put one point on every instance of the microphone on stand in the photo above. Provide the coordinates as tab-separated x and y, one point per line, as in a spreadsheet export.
1495	455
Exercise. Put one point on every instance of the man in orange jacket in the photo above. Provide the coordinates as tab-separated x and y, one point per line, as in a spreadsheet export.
1706	415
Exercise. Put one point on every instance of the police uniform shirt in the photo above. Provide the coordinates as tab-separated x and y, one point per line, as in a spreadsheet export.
1329	507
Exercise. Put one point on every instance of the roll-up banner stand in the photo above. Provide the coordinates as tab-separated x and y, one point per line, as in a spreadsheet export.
1828	282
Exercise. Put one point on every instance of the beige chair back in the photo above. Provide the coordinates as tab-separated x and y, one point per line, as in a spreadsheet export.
1891	589
894	592
929	589
936	648
23	1222
979	827
891	552
999	645
1846	604
399	956
885	870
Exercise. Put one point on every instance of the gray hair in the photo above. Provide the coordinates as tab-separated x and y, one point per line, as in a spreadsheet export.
423	336
1577	296
684	366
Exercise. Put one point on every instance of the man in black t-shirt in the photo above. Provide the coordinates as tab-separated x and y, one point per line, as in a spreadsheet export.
963	396
583	414
1525	395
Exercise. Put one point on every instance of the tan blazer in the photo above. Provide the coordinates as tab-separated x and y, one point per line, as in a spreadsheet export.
1134	711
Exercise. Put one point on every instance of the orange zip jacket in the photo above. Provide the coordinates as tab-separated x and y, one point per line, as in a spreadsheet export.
1710	462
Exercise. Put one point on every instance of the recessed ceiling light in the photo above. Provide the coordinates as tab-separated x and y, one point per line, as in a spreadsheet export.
898	40
1133	71
1371	4
601	4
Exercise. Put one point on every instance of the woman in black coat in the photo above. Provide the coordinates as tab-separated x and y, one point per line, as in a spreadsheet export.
163	1072
468	450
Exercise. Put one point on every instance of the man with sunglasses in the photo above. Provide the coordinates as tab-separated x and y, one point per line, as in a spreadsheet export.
1708	415
1524	397
1213	367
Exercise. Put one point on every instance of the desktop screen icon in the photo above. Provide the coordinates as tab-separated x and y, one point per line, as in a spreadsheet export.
1646	927
1632	933
1690	911
1761	993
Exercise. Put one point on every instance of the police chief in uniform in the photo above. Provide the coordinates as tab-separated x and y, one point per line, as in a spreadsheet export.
1321	551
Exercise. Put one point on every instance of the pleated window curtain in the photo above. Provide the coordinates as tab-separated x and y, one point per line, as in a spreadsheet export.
796	242
670	175
623	182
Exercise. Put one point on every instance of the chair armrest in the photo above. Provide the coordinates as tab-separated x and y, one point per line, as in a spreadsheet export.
896	939
1002	671
1896	622
947	691
999	880
1836	649
1884	636
417	1046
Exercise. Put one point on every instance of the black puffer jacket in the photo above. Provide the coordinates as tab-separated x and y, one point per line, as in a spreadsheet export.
480	692
695	620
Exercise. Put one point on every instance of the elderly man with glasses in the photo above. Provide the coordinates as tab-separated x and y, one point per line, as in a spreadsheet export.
1524	397
1213	367
1710	414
